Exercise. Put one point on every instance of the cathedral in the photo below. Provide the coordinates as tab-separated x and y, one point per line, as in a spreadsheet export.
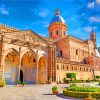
29	57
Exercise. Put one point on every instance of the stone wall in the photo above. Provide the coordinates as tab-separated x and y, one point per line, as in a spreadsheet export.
83	71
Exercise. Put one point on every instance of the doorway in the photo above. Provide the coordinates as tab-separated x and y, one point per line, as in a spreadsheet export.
21	76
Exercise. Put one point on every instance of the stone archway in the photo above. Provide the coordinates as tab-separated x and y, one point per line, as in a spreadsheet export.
42	70
29	67
11	62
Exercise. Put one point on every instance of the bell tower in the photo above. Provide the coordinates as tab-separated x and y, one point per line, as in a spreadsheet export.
93	38
57	28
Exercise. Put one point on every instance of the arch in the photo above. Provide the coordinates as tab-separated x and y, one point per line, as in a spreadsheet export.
10	67
29	66
27	50
42	70
42	55
8	51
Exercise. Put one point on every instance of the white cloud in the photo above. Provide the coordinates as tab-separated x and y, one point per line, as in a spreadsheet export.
94	19
41	12
91	5
43	23
89	29
3	10
98	2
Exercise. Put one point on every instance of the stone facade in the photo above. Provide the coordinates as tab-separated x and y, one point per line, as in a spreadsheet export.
26	56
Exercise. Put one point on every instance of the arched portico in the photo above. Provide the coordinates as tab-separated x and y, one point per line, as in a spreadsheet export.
24	66
10	68
42	70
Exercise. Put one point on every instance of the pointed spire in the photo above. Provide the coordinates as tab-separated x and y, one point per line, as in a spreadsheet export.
57	11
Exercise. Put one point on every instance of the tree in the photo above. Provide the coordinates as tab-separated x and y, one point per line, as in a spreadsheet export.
98	77
71	76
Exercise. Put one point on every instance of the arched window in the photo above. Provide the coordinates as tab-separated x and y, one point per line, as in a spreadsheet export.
72	68
61	53
51	34
80	69
75	67
64	32
67	67
34	60
57	32
76	51
57	66
63	66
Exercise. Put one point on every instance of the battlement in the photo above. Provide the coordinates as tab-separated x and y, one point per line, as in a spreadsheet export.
6	28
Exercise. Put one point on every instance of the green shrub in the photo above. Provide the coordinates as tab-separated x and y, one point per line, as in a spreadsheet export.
23	83
72	84
90	96
55	88
19	82
99	83
81	95
2	82
84	89
71	76
98	77
65	80
88	80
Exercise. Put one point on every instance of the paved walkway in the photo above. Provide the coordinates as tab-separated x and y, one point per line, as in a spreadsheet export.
31	92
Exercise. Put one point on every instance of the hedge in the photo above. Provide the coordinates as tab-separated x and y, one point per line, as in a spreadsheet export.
73	87
81	95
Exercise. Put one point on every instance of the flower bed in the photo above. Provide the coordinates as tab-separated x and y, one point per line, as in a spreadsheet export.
81	95
82	92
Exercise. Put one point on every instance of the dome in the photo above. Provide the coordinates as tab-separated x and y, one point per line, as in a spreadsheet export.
57	18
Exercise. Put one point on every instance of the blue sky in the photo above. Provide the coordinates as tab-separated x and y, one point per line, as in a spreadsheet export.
79	15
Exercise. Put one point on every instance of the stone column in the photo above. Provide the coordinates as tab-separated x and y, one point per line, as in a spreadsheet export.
2	56
19	72
37	67
2	64
49	64
19	66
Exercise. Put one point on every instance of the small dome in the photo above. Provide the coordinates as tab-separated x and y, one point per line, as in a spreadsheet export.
57	18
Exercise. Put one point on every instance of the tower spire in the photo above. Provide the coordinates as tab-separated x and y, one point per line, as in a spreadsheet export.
57	12
93	37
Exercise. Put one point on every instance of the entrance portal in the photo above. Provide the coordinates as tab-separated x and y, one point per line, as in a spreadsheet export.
21	76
